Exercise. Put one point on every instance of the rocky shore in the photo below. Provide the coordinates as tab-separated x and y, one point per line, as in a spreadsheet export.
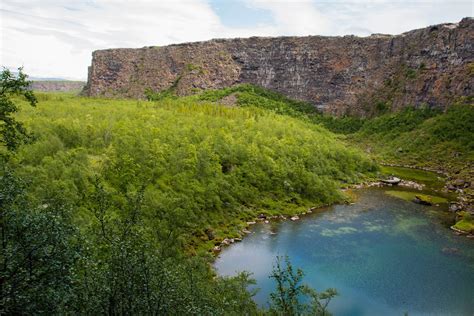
261	218
459	183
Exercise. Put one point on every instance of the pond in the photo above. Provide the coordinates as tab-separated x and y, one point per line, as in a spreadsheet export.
384	255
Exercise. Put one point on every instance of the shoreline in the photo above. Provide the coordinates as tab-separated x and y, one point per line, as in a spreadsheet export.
262	218
452	184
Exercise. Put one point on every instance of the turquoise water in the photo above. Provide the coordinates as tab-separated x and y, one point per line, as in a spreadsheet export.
384	255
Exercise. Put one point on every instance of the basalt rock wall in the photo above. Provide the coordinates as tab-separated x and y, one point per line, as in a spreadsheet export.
433	66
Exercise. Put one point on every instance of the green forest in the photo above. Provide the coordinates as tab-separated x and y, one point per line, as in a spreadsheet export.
115	206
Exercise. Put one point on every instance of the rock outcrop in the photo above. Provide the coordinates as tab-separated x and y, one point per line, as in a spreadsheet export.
432	66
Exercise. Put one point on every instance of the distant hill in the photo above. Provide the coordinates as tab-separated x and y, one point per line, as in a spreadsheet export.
53	85
32	78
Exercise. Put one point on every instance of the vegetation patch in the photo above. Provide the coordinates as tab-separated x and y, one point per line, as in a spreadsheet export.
253	96
409	196
431	179
465	223
425	139
196	164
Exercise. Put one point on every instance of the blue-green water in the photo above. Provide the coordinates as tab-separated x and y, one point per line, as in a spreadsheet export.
384	255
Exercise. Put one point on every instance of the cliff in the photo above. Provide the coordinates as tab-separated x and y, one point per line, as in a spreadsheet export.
432	66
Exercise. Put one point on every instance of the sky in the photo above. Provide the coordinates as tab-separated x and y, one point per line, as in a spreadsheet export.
56	38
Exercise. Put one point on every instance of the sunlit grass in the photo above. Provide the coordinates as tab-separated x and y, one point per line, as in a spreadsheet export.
409	196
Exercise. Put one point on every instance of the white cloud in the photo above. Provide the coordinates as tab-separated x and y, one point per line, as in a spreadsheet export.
360	17
294	17
395	17
55	38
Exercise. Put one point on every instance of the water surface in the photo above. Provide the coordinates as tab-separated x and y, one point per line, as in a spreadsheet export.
384	255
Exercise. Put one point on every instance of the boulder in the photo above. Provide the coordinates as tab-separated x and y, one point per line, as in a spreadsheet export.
451	187
295	218
419	199
391	181
454	207
227	241
459	183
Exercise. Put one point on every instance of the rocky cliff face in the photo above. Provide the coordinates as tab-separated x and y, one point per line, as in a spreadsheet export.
433	66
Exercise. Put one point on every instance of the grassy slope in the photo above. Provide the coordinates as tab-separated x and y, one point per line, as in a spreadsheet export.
423	138
204	167
417	137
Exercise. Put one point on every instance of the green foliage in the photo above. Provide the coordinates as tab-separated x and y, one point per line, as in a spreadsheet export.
130	269
39	250
454	126
253	96
192	67
393	124
111	266
202	165
342	125
292	297
423	137
382	107
410	195
410	73
12	133
169	93
465	223
431	179
38	247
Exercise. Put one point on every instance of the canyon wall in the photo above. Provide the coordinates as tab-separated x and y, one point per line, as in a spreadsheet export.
433	66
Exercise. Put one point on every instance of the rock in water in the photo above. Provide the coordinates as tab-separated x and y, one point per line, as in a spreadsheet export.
423	200
450	250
